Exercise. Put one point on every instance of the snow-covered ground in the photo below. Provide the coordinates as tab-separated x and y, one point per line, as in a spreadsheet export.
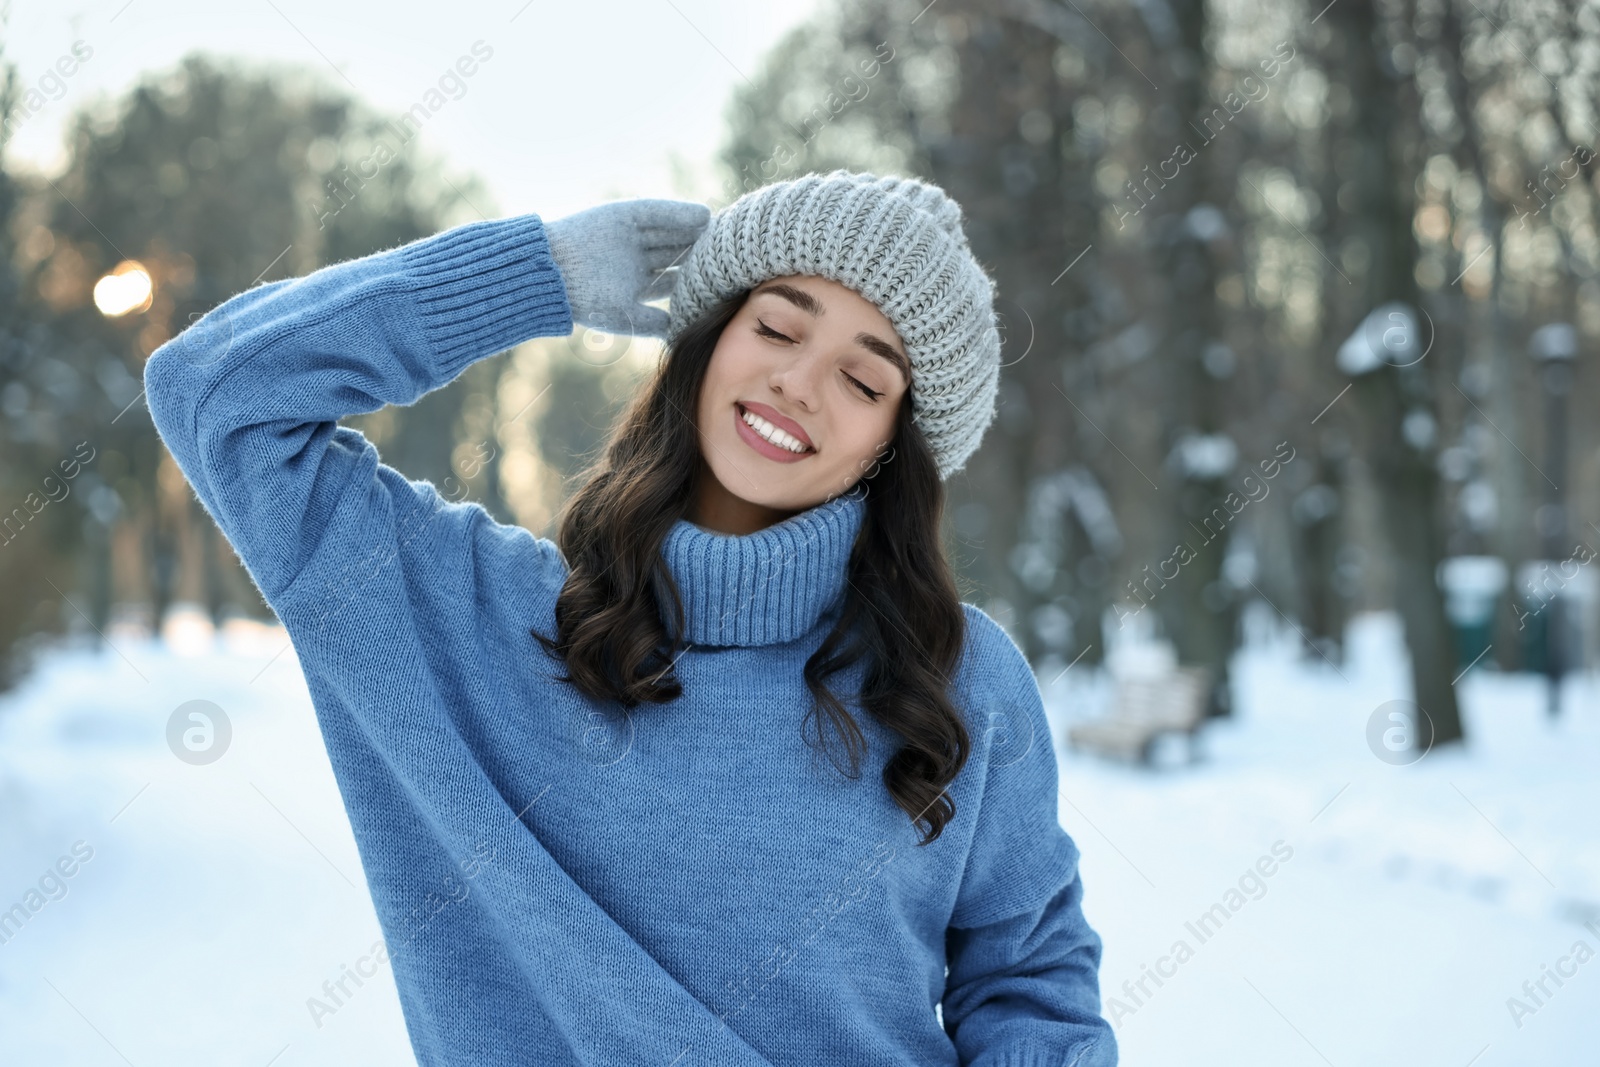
208	903
1417	899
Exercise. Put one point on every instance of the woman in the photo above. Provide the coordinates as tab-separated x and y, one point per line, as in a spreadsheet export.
587	779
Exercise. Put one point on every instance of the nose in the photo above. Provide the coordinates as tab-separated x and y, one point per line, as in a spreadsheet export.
798	380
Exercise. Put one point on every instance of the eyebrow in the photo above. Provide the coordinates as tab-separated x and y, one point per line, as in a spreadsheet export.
813	307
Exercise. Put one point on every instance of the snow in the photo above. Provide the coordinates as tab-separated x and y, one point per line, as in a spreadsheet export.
1415	900
219	897
1418	898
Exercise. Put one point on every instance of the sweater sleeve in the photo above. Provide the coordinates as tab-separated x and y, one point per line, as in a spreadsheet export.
247	398
1023	988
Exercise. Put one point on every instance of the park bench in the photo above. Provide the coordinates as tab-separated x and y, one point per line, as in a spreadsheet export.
1146	710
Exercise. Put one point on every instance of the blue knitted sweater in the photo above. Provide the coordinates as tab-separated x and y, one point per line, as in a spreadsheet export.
689	885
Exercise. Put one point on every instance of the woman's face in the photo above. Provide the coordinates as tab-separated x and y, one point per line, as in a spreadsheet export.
799	399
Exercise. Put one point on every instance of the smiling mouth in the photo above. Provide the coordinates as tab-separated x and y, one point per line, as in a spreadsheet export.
773	436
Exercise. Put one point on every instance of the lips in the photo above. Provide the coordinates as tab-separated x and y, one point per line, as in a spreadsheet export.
782	422
761	445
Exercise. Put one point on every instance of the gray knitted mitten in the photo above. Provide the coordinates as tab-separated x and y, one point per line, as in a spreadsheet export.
613	257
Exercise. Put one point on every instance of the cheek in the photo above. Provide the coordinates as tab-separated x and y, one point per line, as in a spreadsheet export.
732	372
715	384
866	436
732	365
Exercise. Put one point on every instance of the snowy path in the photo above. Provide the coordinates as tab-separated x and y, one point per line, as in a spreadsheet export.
1415	900
1418	899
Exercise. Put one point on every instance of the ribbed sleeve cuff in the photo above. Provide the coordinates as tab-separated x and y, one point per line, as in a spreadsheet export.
484	287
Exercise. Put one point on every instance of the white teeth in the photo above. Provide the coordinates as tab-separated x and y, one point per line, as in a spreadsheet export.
778	437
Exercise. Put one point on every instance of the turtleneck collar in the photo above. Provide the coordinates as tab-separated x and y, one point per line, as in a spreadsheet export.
766	587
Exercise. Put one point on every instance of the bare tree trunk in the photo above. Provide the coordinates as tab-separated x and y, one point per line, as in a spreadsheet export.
1190	229
1029	214
1382	125
1496	343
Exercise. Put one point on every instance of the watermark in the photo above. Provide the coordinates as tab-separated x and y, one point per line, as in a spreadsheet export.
1206	926
1390	334
601	738
1399	732
199	732
1008	744
1531	1002
1581	157
469	467
55	490
48	888
336	992
1551	584
1232	104
341	193
602	343
207	339
866	469
51	86
1144	589
850	90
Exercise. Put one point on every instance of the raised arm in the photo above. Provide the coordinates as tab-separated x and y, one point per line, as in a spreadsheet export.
1024	984
247	398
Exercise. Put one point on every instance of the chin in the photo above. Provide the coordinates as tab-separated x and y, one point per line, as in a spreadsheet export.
770	486
773	494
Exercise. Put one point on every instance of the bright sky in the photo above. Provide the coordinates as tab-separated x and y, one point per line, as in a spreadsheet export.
581	100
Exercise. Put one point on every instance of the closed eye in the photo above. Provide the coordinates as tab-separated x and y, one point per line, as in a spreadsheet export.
767	331
871	393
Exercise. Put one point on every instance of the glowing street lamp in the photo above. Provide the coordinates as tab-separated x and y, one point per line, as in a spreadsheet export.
125	291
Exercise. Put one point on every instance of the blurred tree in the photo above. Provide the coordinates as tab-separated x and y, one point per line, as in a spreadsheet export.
214	178
1006	153
36	526
1191	236
1396	397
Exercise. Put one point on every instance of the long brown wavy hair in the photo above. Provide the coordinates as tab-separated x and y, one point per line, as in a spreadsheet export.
901	609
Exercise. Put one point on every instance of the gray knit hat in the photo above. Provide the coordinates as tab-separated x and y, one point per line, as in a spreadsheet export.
896	241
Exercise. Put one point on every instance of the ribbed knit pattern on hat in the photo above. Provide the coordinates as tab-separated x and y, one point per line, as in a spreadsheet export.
896	241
